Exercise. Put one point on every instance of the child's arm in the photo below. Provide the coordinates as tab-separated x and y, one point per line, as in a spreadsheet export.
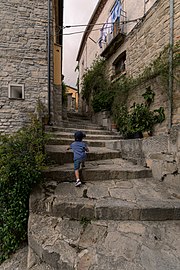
86	148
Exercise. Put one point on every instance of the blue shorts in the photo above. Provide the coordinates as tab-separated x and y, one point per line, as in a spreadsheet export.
77	164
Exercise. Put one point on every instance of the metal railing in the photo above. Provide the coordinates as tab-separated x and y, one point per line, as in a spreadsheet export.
110	30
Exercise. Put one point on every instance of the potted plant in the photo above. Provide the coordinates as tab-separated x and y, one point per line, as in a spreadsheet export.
141	120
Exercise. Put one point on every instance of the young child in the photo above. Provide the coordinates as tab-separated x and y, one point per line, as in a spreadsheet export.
79	149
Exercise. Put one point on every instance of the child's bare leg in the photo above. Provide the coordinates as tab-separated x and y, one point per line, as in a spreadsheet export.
77	174
78	182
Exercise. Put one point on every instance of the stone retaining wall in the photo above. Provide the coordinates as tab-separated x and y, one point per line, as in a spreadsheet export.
161	153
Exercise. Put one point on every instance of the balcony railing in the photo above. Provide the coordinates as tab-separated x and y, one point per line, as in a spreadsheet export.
114	28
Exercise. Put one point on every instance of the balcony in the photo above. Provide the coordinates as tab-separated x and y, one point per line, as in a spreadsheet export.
113	33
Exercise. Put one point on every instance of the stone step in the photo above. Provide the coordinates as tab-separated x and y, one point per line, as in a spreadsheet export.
68	141
136	199
59	154
73	126
80	125
99	170
88	136
76	115
98	245
79	120
59	130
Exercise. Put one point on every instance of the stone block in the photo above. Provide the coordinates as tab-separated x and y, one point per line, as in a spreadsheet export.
178	141
155	145
32	258
172	181
157	169
158	211
92	235
169	167
72	209
120	246
86	259
116	210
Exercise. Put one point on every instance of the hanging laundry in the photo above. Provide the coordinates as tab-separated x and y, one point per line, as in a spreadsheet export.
102	37
115	12
104	32
108	26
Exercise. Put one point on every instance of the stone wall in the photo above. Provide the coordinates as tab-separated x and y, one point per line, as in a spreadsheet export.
149	37
23	59
160	100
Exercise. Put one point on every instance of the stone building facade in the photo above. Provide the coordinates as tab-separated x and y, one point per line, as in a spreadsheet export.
24	61
72	98
144	32
89	47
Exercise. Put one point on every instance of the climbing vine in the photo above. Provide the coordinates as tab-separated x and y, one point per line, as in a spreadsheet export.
95	85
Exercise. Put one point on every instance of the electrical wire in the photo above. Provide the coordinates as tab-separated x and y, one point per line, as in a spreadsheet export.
80	32
82	25
94	24
97	29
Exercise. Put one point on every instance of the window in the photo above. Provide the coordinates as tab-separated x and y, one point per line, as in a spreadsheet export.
16	91
120	63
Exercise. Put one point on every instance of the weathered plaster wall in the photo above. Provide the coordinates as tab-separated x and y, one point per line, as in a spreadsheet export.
23	56
134	9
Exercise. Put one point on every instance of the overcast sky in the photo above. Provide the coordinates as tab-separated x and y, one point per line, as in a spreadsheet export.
75	12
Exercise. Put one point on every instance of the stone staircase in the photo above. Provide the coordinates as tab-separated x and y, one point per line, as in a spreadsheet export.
120	218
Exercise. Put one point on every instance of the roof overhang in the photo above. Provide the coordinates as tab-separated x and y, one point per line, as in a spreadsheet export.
90	25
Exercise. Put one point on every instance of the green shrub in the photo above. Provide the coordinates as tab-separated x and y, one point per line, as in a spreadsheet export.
95	81
141	119
22	158
103	101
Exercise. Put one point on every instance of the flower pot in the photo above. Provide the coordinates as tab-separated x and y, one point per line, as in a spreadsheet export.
138	135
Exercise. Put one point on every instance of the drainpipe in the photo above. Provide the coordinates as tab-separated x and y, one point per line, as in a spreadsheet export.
171	43
144	7
49	62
